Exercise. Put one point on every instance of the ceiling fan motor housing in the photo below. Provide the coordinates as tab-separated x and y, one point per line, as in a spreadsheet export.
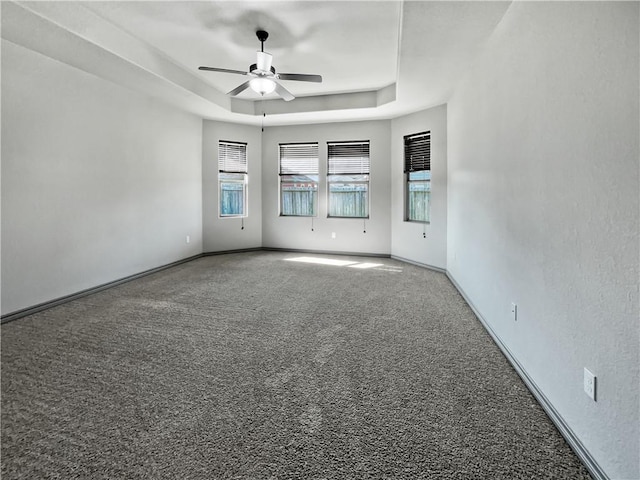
264	59
254	68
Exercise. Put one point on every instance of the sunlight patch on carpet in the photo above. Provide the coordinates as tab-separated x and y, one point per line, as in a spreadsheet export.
366	265
335	263
321	261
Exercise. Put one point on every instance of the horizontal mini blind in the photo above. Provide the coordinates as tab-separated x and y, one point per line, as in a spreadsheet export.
417	152
299	158
232	157
348	158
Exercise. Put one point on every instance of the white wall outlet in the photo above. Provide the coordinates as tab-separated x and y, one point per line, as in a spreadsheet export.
590	384
333	234
514	312
188	239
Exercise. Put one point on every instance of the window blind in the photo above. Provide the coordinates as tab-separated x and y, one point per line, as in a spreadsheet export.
299	158
232	157
417	152
348	158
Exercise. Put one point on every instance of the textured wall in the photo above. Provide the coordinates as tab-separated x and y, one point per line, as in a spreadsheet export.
543	208
295	232
97	182
221	234
407	239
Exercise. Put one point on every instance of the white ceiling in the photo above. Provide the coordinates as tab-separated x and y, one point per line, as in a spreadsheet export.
378	59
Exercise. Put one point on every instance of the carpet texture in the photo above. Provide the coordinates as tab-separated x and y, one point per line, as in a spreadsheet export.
253	366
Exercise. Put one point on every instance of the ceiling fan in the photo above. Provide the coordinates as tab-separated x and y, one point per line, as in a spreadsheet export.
264	76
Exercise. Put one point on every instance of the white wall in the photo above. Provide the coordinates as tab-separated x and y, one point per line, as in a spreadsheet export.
295	232
543	208
98	182
220	234
408	239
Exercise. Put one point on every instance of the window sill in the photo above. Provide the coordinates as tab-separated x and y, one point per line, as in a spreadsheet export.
418	221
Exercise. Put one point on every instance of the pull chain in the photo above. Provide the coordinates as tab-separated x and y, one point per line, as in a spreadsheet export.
241	223
424	225
364	224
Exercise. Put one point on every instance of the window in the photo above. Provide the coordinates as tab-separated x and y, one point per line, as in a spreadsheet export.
348	179
299	179
417	169
232	178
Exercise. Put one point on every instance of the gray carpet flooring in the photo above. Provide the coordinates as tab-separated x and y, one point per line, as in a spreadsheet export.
252	366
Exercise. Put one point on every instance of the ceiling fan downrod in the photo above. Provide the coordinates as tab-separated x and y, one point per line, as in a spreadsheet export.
262	36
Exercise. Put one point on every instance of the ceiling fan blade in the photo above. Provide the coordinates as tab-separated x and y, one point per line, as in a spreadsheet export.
223	70
239	89
300	77
286	95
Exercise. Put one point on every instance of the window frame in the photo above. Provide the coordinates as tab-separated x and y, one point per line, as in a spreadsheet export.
346	162
233	166
300	162
417	158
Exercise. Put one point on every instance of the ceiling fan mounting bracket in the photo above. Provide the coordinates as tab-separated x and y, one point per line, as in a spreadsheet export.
262	35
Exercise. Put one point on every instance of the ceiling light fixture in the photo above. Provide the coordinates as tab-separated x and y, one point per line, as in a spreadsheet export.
264	79
262	85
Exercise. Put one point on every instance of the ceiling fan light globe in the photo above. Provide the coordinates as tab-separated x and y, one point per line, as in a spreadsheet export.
262	85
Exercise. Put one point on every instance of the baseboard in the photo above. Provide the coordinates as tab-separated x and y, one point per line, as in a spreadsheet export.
587	459
424	265
326	252
296	250
83	293
238	250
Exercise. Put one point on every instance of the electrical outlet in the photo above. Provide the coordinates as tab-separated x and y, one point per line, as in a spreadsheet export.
188	239
590	384
514	312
